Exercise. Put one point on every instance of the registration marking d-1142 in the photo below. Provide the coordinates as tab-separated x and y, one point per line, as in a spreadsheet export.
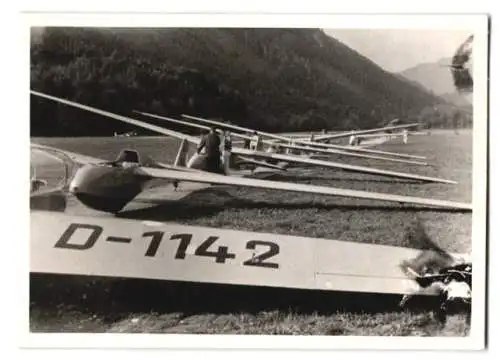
82	236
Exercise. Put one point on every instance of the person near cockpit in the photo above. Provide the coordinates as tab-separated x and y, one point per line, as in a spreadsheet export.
210	144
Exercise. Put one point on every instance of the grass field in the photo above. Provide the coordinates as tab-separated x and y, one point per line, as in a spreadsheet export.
79	304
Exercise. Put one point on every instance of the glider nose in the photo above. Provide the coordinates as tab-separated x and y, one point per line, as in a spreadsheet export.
81	181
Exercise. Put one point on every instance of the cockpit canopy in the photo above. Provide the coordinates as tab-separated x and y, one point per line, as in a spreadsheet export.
49	170
128	155
49	175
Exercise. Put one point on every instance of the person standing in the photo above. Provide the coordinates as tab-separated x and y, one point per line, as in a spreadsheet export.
228	143
227	146
255	142
405	136
210	144
352	139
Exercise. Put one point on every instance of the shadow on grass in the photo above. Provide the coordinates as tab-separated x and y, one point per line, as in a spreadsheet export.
244	203
210	205
172	211
117	298
204	203
307	178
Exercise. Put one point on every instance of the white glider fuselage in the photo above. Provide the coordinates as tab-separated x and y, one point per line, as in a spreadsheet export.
105	187
110	186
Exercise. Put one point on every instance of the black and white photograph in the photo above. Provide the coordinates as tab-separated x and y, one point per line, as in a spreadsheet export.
324	179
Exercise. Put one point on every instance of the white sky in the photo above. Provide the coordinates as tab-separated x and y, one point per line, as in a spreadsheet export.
396	50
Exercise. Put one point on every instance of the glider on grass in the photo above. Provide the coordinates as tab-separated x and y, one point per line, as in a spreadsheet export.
64	244
379	138
116	247
389	128
110	185
277	147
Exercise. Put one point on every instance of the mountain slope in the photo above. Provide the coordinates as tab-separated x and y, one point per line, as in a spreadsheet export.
437	78
433	76
272	79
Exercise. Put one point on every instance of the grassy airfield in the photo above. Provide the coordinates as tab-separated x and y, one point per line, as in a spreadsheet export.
76	304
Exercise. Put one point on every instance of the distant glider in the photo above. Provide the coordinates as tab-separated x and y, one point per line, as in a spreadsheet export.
318	142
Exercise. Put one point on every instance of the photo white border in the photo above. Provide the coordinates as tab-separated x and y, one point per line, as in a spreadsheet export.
474	341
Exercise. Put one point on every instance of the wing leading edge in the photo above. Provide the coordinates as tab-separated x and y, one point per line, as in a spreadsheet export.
341	166
293	187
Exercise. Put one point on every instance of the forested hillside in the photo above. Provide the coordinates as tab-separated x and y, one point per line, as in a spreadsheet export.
271	79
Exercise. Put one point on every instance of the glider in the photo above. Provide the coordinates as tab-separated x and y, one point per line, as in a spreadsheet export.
64	244
115	247
388	128
378	138
110	185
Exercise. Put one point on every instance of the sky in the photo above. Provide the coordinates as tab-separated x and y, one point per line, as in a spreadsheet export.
396	50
